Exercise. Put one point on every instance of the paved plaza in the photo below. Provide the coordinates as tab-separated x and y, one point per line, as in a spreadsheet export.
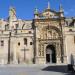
34	70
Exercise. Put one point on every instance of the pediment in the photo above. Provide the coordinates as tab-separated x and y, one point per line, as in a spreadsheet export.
49	14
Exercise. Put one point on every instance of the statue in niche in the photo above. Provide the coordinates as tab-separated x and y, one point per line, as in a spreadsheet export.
54	35
49	34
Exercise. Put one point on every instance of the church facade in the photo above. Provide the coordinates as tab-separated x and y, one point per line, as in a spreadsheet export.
48	38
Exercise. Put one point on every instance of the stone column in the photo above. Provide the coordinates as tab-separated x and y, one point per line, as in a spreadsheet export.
58	53
15	52
36	46
58	60
65	54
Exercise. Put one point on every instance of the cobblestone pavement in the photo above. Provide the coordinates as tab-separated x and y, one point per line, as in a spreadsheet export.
34	70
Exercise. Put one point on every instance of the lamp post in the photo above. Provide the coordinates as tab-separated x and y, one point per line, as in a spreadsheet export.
9	47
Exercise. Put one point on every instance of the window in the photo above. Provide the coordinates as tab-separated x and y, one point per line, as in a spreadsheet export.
31	43
2	43
17	26
30	32
70	29
25	41
18	43
7	27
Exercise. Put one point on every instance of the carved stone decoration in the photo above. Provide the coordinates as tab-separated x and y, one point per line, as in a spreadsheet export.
42	50
39	50
50	34
12	12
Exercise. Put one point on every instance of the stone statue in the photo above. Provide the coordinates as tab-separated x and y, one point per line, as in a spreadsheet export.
12	12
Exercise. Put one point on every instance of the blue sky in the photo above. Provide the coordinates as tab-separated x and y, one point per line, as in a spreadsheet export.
25	8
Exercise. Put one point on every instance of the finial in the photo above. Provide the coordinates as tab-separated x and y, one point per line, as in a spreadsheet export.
61	8
60	5
36	11
61	11
48	5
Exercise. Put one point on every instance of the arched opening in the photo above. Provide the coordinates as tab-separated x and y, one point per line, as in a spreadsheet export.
50	54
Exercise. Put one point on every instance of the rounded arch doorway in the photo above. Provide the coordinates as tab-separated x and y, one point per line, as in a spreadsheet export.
50	54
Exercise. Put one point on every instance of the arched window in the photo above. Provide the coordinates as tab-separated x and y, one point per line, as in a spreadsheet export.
17	25
25	41
18	43
6	26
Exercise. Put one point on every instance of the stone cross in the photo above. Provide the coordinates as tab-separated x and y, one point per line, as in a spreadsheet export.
24	53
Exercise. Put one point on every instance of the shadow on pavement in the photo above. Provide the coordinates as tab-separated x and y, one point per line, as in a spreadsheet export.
58	68
70	74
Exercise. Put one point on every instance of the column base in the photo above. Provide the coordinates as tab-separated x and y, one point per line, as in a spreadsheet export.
40	60
59	60
65	59
15	62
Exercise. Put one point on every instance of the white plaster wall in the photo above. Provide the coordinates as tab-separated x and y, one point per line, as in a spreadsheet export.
4	51
70	47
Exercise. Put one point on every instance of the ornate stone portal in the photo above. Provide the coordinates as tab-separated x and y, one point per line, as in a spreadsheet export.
49	36
48	33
